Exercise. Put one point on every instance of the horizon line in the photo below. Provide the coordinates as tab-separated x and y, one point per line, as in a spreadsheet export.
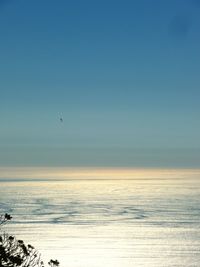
95	173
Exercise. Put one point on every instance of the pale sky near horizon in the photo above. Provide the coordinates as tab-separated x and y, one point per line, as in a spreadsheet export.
124	75
96	173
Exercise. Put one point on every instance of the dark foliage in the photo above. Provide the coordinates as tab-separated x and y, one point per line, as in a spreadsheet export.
14	253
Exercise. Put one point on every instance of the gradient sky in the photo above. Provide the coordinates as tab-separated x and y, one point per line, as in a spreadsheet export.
124	75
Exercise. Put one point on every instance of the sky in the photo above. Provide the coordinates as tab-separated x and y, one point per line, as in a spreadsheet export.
123	75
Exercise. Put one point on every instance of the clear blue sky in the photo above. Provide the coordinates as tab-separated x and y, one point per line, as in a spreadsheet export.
124	75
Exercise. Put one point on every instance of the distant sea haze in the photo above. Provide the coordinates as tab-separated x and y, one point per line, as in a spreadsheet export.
94	173
107	223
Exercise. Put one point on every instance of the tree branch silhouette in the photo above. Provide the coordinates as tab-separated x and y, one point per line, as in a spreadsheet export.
14	252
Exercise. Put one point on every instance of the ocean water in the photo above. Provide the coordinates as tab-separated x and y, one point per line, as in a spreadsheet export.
107	223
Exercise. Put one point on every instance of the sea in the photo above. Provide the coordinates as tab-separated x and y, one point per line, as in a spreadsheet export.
107	223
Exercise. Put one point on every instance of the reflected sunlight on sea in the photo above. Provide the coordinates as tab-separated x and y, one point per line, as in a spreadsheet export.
114	223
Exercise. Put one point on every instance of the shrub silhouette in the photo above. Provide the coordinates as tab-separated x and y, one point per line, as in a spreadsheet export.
14	253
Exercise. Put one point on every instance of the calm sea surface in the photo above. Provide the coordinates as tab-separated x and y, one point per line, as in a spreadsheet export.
115	223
